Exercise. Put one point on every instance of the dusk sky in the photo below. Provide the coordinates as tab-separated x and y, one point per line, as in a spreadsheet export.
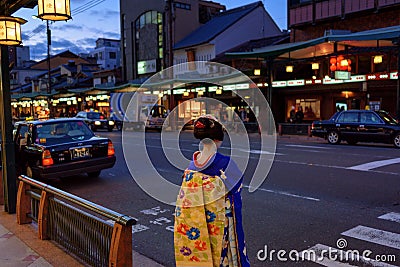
93	19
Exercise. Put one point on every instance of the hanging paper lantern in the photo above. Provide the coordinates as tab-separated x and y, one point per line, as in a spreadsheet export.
333	67
333	60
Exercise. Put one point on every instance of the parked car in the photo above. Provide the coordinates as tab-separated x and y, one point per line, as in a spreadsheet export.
359	126
96	120
57	148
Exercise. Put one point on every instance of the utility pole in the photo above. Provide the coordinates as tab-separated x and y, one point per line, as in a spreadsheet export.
48	58
7	147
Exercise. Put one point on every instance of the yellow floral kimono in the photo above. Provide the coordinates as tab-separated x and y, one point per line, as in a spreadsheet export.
199	220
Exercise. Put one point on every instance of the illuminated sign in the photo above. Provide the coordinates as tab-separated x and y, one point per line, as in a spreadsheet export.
147	66
279	84
295	83
342	75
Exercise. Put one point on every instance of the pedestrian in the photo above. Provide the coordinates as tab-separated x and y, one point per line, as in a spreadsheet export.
292	115
299	115
208	227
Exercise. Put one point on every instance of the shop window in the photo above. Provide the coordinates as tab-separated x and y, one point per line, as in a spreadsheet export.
311	108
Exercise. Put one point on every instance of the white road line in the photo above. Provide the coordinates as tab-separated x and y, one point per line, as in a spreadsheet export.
373	235
374	164
284	193
319	253
303	146
392	216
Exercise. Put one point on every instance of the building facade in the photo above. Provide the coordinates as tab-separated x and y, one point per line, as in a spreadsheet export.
150	28
107	53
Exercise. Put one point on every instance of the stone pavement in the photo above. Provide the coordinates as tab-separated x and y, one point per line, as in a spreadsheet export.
20	246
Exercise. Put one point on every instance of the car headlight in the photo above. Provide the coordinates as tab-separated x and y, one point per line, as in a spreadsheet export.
110	123
97	123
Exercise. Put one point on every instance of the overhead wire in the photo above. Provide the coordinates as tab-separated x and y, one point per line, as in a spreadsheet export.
76	11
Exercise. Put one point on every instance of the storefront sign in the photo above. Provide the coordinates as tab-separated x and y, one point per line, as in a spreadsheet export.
332	81
342	75
357	78
279	84
383	76
295	83
147	66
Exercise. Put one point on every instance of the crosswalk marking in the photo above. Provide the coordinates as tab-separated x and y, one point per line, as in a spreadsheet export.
392	216
319	253
376	236
374	164
321	259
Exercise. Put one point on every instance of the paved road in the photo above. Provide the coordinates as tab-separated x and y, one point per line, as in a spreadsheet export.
316	197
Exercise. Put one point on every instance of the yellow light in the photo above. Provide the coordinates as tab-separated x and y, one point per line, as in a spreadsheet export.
289	68
54	9
186	93
377	59
218	91
344	63
257	72
315	66
200	92
10	30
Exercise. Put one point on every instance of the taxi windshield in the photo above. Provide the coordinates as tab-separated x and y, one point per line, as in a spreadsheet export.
62	132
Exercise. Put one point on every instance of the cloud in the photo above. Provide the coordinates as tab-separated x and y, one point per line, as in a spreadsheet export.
65	27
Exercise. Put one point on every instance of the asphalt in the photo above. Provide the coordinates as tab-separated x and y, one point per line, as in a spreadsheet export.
20	245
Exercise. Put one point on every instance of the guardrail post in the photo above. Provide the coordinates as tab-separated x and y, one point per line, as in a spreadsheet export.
280	129
121	246
43	215
309	130
23	204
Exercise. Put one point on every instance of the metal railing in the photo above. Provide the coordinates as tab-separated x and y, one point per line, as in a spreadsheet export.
294	129
83	228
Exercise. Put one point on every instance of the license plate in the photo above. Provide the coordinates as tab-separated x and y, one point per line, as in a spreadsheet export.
78	153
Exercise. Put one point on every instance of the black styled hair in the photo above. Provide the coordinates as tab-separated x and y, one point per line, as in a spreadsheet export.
208	127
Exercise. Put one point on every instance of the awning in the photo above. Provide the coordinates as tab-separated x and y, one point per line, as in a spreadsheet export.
323	46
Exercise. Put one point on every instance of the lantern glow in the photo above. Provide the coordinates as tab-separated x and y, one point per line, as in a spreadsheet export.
54	10
10	30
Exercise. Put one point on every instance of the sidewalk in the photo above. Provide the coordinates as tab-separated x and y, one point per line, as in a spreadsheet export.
20	247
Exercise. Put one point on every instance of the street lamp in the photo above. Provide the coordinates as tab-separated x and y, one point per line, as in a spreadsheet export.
10	30
54	10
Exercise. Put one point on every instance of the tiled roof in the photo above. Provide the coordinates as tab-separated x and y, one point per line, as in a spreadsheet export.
216	25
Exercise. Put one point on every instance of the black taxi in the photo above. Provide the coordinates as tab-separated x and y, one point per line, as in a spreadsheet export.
58	148
355	126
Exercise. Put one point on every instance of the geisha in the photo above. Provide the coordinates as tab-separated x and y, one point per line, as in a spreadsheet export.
208	227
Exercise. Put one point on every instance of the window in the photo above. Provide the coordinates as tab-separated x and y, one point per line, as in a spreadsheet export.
369	117
183	6
113	55
348	117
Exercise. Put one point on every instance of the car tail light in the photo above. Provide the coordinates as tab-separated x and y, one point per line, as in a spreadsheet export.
111	150
46	158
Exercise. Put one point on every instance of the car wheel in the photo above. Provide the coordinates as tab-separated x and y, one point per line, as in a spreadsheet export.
396	140
333	138
94	174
